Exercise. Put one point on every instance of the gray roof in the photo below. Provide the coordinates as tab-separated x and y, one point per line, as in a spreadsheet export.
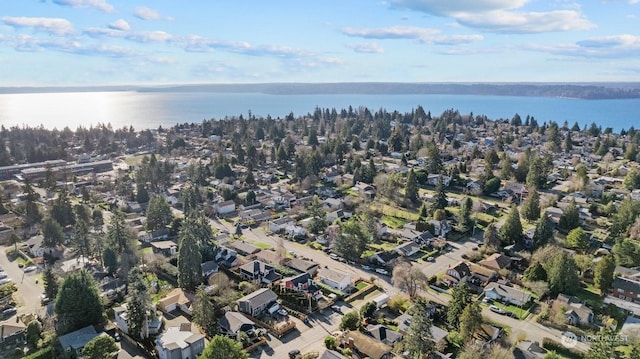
331	354
79	338
508	292
233	321
259	297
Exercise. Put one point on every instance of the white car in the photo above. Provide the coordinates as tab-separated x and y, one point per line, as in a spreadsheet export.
282	312
5	281
382	271
333	256
30	269
3	275
366	267
495	309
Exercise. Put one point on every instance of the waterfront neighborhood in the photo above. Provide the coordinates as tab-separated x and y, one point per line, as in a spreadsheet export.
351	233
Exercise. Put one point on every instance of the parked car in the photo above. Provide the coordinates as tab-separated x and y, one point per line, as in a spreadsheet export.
44	299
382	271
30	269
366	267
336	308
293	254
5	281
486	300
3	275
294	353
495	309
431	259
334	256
20	265
282	312
9	312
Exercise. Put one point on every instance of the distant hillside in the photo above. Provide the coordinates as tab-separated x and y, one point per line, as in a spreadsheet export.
571	90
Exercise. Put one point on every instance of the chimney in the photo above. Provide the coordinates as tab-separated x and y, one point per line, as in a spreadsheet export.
351	343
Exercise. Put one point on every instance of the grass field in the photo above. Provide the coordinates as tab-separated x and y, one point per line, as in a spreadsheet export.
262	245
393	222
393	211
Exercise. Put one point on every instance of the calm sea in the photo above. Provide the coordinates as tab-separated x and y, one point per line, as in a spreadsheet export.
150	110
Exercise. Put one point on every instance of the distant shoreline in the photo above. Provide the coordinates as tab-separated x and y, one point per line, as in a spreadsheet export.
589	91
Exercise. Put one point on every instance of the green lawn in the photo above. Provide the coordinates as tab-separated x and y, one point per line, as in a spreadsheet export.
384	246
394	211
361	285
393	222
135	160
591	296
519	312
262	245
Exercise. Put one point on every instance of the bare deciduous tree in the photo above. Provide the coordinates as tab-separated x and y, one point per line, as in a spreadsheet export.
409	278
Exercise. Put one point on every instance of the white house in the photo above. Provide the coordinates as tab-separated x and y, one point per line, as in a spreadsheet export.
154	323
407	249
280	224
336	280
180	342
225	207
505	293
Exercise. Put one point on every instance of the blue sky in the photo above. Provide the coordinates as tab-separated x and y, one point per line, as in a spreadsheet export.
99	42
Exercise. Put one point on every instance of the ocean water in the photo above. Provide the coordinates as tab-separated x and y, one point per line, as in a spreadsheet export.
144	110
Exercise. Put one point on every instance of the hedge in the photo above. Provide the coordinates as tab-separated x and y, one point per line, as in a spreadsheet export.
45	353
552	345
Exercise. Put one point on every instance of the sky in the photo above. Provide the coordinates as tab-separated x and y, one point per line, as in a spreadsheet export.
137	42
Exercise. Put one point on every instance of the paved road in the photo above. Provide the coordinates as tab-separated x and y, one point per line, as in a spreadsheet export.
28	295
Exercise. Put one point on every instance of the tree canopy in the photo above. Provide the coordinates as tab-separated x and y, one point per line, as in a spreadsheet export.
78	303
100	347
511	230
189	256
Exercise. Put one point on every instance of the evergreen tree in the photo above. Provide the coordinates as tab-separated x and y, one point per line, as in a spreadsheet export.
81	237
118	235
461	297
411	187
491	238
50	282
570	217
562	273
159	214
423	211
419	341
578	239
203	312
605	346
3	210
97	217
626	215
511	230
189	256
110	260
632	180
52	233
189	198
318	221
62	211
543	232
531	206
100	347
142	195
535	272
434	162
470	320
440	199
138	305
223	347
352	240
465	223
32	212
78	303
603	274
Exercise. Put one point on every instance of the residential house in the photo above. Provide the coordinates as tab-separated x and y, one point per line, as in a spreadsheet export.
575	310
269	256
259	271
630	328
224	208
227	257
487	334
12	331
301	283
506	294
439	334
233	323
302	266
180	342
337	214
496	262
72	343
244	248
37	248
166	248
157	235
407	249
177	299
480	275
279	224
455	274
384	258
5	233
154	322
384	334
366	190
257	302
209	268
336	280
529	350
366	346
433	180
627	289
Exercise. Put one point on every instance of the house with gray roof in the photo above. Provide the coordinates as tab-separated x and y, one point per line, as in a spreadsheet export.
575	310
232	323
72	343
180	342
384	334
504	293
257	302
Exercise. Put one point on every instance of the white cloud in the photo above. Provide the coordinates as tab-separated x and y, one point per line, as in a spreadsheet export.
456	39
449	7
526	22
101	5
392	32
369	47
120	24
150	36
146	13
606	47
56	26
